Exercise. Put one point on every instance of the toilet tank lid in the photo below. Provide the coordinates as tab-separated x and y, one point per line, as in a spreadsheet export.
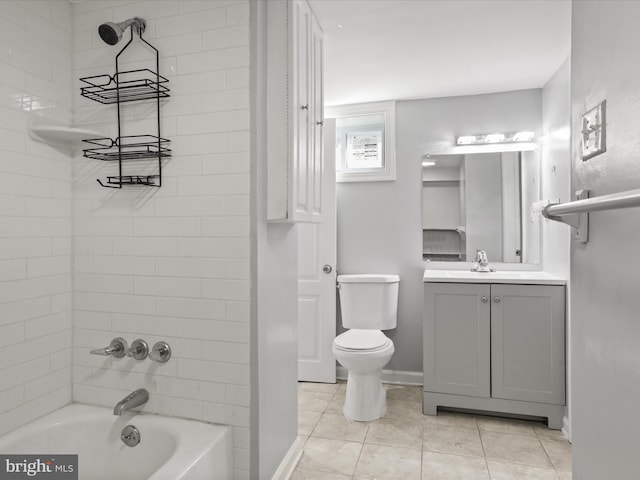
368	278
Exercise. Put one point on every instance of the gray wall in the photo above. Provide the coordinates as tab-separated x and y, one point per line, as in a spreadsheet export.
380	223
556	166
605	272
556	183
274	294
531	191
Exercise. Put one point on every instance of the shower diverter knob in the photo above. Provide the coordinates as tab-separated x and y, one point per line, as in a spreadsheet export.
139	349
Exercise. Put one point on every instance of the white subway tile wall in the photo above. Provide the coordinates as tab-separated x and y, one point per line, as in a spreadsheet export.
171	263
35	212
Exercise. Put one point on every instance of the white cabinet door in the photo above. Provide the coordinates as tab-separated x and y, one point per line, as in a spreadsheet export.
528	343
318	164
295	113
301	96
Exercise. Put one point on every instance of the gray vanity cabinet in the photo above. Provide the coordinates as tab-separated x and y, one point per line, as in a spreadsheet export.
495	347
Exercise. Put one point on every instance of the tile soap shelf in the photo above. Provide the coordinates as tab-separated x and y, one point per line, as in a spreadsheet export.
122	87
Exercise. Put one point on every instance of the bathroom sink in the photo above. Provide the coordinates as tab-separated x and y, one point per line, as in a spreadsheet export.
504	276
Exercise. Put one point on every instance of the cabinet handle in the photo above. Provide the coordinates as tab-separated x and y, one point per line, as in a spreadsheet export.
484	299
320	122
305	107
496	299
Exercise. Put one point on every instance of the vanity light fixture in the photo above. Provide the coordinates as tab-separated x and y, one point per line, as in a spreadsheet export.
494	138
523	136
489	138
467	139
427	161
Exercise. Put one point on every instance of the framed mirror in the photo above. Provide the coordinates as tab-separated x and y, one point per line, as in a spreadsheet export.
481	201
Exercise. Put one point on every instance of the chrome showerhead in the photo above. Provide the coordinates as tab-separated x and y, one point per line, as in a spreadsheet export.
111	33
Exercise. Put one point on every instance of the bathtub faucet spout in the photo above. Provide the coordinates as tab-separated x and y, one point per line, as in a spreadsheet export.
135	399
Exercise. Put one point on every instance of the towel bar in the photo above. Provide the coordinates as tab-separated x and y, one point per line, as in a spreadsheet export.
583	205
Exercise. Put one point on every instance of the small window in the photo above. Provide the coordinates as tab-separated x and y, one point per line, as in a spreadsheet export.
365	142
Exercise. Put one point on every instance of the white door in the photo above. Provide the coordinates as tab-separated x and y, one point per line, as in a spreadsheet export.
317	279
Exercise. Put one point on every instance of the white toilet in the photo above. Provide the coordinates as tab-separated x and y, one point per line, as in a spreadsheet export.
368	304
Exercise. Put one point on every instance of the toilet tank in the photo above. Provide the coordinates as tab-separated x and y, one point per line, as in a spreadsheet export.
369	301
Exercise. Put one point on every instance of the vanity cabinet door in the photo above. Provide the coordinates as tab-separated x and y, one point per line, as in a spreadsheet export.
528	343
457	339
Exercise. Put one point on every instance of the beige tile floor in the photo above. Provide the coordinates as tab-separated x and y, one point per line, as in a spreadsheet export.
405	444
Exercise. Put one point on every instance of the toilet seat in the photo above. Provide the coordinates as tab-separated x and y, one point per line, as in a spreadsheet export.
356	340
363	353
368	307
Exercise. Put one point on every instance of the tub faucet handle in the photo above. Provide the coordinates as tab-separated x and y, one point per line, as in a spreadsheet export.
161	352
117	348
138	349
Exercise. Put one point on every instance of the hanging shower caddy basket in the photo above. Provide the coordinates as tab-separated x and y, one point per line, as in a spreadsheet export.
122	87
130	86
132	147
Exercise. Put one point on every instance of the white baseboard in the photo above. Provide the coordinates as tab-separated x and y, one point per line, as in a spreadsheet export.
289	462
566	428
397	377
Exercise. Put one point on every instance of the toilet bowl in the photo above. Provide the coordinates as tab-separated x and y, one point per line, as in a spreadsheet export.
368	304
364	356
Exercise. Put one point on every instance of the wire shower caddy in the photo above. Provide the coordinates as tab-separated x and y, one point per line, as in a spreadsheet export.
128	86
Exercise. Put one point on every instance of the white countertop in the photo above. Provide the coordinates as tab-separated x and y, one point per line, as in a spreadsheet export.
505	276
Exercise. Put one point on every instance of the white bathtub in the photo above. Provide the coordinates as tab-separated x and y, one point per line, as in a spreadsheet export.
169	448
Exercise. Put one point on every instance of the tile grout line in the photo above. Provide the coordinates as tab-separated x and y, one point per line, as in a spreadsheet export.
422	450
484	452
358	460
547	455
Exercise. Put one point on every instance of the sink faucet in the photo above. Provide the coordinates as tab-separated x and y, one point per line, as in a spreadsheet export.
135	399
481	262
